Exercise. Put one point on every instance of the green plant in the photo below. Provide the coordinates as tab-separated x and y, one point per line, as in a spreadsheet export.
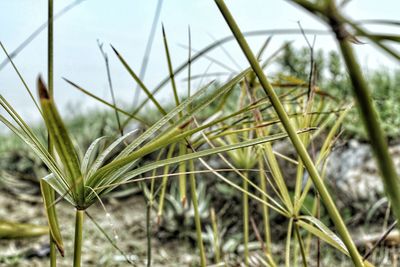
333	79
332	15
82	181
190	129
298	144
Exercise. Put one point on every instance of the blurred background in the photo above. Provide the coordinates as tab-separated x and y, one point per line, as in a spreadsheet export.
127	25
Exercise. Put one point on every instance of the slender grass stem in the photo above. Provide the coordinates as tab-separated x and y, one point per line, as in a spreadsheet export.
50	60
193	191
78	238
266	220
53	252
216	242
288	242
50	50
246	219
298	144
148	232
149	45
182	177
301	245
371	122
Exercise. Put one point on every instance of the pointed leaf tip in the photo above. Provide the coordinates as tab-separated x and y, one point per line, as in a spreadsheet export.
163	29
42	89
115	50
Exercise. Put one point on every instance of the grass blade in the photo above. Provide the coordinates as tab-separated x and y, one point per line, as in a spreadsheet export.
62	143
48	198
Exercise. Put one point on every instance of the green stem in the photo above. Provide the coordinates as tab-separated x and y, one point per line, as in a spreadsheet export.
301	245
288	242
215	236
297	143
263	186
78	238
182	176
53	252
148	231
53	249
246	220
193	192
368	113
50	54
371	122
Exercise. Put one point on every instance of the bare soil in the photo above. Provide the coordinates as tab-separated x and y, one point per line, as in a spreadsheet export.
126	220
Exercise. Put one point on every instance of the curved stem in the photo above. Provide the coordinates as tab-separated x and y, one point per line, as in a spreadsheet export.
78	238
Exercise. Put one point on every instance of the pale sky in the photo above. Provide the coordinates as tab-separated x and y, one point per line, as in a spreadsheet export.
126	25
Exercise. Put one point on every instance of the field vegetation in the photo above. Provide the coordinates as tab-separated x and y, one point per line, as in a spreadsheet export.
199	181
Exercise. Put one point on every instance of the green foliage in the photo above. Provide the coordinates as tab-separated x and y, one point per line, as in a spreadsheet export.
243	116
333	79
296	62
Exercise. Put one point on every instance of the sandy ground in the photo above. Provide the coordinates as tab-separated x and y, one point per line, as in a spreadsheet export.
126	220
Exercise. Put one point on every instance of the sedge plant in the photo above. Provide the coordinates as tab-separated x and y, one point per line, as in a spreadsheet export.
329	12
82	181
294	137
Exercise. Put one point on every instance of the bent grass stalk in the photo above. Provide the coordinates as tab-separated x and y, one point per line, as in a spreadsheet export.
326	198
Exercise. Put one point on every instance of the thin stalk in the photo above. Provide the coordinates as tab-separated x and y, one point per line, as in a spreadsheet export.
148	231
78	238
50	50
146	56
215	236
189	63
53	252
288	242
164	185
371	123
301	245
170	68
150	202
246	219
297	143
263	186
182	176
195	203
362	93
318	240
110	86
50	79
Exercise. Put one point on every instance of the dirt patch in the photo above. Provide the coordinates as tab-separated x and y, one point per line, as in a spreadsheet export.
126	220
